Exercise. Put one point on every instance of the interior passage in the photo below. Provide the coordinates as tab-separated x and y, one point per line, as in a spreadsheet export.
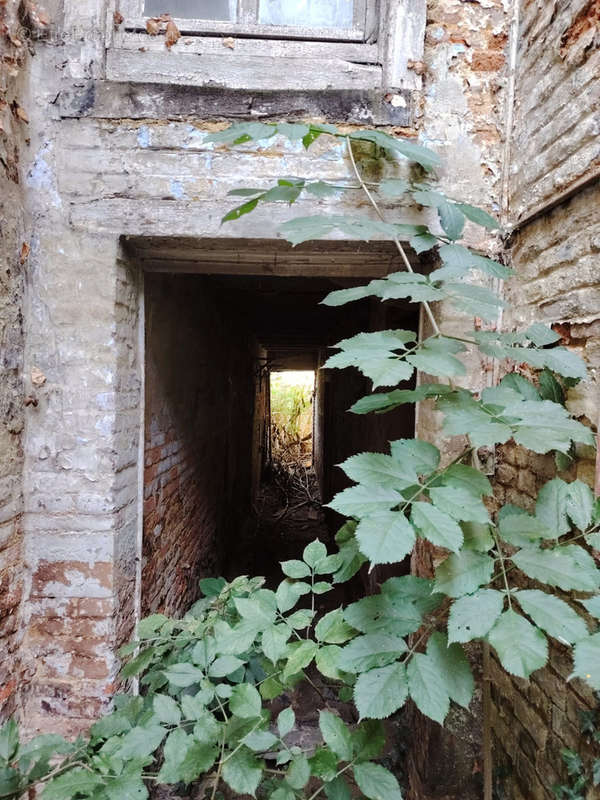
223	493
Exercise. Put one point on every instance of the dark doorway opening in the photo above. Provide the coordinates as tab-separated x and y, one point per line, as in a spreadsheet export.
214	341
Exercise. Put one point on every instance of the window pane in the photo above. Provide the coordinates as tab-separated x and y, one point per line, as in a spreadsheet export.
307	13
192	9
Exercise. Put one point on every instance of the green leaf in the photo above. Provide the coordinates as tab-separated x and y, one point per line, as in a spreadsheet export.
140	742
378	469
239	211
419	456
333	629
552	615
242	132
376	782
245	701
463	573
260	741
479	217
437	527
413	590
300	619
283	792
321	587
298	773
394	145
379	692
435	358
370	651
472	616
459	503
126	787
166	709
75	782
453	667
352	559
580	504
521	385
300	658
288	593
522	529
386	401
592	605
360	501
452	219
461	476
326	661
423	242
336	735
148	626
426	687
242	771
550	388
338	789
212	587
286	721
183	674
342	296
586	661
477	536
295	569
314	552
329	564
294	131
9	740
321	189
386	537
323	764
384	613
274	642
476	300
520	646
139	663
568	567
225	665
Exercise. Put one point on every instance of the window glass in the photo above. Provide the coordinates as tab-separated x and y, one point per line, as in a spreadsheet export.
307	13
192	9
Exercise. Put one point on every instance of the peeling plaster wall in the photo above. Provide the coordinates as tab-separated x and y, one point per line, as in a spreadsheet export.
14	251
109	159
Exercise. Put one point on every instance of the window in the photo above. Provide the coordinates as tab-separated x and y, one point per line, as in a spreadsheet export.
341	20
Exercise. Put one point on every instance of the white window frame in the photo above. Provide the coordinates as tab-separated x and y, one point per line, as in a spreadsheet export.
374	56
364	28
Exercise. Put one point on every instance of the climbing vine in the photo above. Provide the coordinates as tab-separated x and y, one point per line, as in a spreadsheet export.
208	679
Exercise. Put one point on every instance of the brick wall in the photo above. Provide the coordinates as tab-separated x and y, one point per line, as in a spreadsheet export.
199	425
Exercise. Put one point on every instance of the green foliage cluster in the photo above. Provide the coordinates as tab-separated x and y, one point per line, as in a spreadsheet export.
291	405
207	679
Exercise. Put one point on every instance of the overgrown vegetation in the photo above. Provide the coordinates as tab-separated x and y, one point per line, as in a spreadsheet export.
291	416
208	679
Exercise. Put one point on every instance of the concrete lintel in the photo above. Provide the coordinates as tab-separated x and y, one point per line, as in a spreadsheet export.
113	100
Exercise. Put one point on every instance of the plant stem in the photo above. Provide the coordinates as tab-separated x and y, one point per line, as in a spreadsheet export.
337	774
401	250
435	476
502	565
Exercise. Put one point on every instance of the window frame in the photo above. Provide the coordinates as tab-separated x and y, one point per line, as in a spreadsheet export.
364	29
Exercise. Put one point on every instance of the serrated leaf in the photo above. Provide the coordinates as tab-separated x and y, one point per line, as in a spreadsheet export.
224	665
434	361
321	189
300	658
422	456
523	530
550	388
239	211
586	661
426	689
242	131
140	742
379	692
479	216
376	782
436	526
394	187
592	605
453	668
76	781
459	503
9	740
361	501
386	537
472	617
295	569
245	701
384	613
242	771
552	615
476	300
212	587
289	592
461	476
386	401
333	629
580	504
451	219
370	651
298	773
323	764
286	721
395	145
521	385
568	567
260	741
326	662
336	735
379	469
314	552
338	789
274	642
520	646
342	296
463	573
551	506
166	709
